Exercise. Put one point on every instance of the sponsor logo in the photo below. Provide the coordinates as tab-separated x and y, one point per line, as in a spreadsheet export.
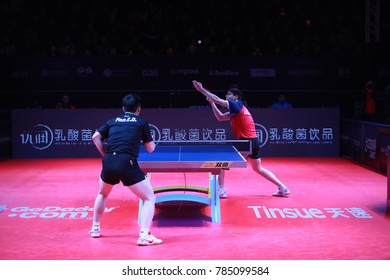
40	137
53	73
53	212
216	164
262	134
84	71
305	72
261	212
263	72
225	72
19	74
150	73
155	132
116	72
184	72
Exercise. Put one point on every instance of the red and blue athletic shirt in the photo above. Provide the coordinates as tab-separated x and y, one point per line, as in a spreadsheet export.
241	120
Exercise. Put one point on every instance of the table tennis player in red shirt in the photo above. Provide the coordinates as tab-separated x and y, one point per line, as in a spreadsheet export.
244	128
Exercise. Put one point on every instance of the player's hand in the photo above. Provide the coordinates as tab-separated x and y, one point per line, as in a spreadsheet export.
197	85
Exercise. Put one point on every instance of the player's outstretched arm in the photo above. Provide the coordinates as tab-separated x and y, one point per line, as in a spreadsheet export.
218	114
210	96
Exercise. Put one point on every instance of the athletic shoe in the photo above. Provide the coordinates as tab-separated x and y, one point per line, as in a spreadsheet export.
222	193
282	192
148	240
94	233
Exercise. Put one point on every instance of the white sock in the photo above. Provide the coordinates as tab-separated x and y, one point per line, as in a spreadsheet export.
282	187
96	225
222	187
144	231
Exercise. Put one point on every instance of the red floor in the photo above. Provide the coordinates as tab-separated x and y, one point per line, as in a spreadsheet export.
337	211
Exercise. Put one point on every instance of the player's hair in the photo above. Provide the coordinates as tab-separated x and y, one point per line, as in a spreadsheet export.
236	92
131	102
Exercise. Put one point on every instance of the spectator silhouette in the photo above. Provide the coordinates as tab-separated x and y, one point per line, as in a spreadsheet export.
282	103
65	103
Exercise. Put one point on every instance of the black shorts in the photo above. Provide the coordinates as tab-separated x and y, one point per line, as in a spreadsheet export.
121	167
255	147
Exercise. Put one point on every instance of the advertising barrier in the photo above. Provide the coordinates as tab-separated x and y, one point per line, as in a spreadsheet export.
365	142
50	133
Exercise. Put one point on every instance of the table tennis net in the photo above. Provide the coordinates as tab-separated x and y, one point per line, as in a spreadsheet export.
240	145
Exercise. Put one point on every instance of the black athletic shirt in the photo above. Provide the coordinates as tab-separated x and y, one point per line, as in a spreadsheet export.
125	133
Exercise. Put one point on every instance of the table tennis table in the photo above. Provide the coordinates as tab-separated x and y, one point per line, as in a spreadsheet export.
193	156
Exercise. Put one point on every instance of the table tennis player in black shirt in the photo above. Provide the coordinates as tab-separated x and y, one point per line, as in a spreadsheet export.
123	135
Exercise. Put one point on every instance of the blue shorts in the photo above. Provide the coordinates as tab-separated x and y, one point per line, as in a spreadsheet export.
121	167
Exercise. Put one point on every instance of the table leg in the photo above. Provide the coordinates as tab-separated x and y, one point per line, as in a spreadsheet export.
214	199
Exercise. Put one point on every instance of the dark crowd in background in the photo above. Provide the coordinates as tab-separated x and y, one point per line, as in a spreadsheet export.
141	27
47	28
